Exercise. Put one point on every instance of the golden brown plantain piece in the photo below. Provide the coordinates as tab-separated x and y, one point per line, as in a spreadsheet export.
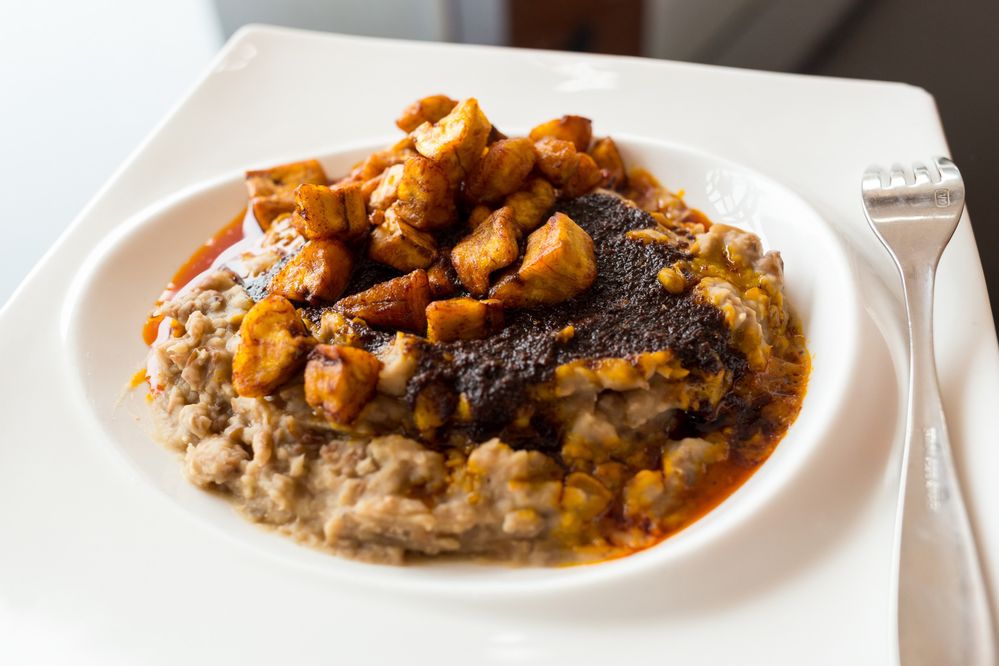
455	141
267	209
330	212
426	110
397	244
491	246
377	162
586	177
558	264
532	204
281	180
577	129
478	215
340	381
400	303
463	319
273	345
319	272
425	197
501	170
557	159
605	153
385	194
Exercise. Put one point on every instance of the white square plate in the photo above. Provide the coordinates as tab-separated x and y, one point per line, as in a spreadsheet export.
96	567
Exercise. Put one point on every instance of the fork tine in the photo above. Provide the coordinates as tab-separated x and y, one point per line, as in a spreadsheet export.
897	176
874	179
948	170
921	174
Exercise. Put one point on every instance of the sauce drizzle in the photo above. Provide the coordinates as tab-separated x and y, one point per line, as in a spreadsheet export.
196	264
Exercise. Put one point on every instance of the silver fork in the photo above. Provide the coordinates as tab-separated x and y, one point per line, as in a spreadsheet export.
942	608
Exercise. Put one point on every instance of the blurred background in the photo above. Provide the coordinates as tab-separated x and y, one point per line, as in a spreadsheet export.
85	82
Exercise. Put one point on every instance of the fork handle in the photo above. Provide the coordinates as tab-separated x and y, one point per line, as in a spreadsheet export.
943	608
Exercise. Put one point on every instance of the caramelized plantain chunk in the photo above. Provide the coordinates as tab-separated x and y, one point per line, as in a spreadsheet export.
267	209
281	180
558	264
557	159
427	110
491	246
443	280
397	304
340	381
605	153
478	216
425	196
586	177
577	129
368	187
385	194
330	212
455	141
501	170
319	272
532	204
463	319
377	162
273	345
397	244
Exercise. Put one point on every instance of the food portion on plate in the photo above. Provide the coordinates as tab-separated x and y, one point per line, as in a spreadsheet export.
474	345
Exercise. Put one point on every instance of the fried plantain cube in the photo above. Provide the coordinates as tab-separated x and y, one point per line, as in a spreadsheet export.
397	244
559	263
441	276
491	246
478	215
377	162
368	187
385	194
281	180
340	381
267	209
586	177
273	345
319	272
455	141
426	110
577	129
400	303
501	170
557	159
532	204
463	319
330	212
605	153
425	197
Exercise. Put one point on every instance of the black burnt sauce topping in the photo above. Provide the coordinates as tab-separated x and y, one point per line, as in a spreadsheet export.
625	312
